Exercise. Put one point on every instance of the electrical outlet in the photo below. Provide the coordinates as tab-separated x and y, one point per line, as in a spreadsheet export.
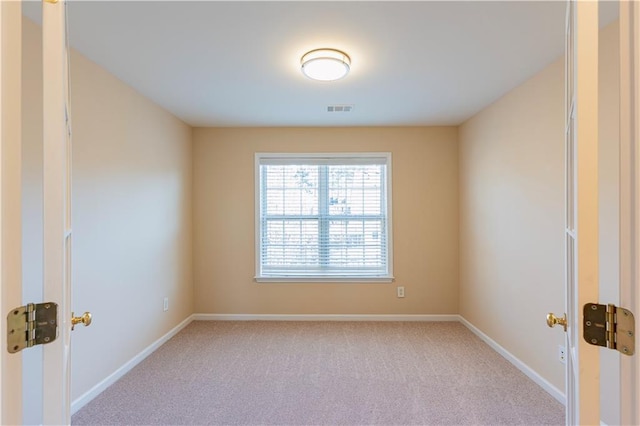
400	291
562	354
166	304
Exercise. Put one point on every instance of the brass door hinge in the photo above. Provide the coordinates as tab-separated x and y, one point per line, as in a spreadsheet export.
609	326
31	325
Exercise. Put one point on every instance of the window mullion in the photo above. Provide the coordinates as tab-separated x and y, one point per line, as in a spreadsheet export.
263	214
323	209
383	212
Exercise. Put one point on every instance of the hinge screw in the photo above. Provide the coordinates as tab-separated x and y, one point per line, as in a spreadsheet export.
46	339
625	349
625	313
588	323
630	333
594	341
594	307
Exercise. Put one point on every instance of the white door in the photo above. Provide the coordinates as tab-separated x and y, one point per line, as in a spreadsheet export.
57	235
581	230
57	210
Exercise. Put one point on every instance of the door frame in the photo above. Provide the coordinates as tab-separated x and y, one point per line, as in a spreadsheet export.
630	200
10	202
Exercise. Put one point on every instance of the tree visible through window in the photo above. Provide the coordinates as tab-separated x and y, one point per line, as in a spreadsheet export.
323	216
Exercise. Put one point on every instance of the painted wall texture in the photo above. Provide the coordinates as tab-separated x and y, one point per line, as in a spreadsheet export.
512	220
132	216
425	222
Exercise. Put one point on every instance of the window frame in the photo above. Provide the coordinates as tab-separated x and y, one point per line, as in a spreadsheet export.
348	158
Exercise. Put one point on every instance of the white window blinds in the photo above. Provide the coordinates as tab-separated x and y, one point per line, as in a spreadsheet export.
323	216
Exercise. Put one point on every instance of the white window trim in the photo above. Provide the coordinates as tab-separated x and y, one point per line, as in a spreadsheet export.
335	278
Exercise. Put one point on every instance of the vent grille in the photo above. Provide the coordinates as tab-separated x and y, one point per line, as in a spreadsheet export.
340	108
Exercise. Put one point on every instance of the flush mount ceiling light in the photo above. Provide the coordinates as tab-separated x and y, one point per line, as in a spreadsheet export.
325	64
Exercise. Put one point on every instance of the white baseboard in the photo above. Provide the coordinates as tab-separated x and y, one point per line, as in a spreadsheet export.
321	317
111	379
528	371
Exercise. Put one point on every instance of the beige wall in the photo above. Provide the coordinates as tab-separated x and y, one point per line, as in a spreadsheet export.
131	216
425	222
512	221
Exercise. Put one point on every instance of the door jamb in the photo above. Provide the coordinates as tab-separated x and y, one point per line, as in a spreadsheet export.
630	198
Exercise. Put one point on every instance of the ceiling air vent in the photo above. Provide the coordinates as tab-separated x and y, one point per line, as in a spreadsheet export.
340	108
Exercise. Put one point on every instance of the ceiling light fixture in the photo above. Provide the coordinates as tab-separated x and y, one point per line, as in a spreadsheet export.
325	64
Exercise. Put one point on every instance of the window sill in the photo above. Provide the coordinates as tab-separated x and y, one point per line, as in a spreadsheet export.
320	279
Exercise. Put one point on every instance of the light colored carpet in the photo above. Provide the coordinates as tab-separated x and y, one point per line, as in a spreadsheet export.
324	373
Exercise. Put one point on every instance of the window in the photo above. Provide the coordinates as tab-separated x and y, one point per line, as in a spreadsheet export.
323	217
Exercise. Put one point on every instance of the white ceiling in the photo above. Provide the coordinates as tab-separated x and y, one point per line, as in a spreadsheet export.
238	63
